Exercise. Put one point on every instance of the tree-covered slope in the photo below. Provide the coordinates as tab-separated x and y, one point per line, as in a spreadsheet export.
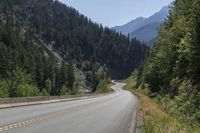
173	69
74	36
58	48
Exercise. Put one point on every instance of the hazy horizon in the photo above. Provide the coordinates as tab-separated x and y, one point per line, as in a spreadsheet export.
116	12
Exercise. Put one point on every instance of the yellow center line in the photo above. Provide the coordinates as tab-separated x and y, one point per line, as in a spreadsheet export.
41	118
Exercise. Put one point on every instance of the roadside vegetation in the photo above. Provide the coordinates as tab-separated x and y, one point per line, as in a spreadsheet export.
168	83
171	74
105	87
102	86
156	116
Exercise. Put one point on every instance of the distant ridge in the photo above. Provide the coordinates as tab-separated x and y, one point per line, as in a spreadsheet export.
144	29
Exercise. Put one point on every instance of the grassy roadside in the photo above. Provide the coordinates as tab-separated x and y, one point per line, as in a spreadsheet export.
156	119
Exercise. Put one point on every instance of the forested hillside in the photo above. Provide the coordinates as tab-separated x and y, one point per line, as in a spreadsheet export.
172	72
49	48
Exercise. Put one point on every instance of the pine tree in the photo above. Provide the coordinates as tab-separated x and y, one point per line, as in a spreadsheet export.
71	77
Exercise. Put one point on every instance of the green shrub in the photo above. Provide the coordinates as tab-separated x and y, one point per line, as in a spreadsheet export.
75	89
27	90
102	86
48	85
144	89
4	89
185	100
185	105
64	90
16	78
44	92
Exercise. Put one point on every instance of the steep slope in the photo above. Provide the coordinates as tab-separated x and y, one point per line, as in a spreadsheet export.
172	72
67	39
160	16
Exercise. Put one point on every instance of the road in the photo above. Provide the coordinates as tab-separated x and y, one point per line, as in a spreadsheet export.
113	113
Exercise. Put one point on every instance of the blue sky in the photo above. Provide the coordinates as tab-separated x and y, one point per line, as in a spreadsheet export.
116	12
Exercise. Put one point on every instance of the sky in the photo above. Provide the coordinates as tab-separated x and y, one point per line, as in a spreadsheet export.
116	12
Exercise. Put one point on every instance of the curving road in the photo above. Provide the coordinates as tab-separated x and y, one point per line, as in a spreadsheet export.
113	113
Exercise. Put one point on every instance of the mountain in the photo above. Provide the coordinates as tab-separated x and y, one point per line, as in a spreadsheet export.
144	29
59	50
130	26
146	33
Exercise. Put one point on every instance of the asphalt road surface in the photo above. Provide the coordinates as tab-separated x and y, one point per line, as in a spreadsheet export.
113	113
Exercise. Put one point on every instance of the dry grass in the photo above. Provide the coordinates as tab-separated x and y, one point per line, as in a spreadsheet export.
155	119
129	84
